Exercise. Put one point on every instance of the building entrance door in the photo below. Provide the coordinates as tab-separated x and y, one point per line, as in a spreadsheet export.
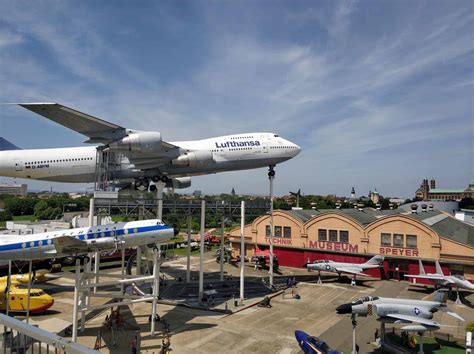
397	268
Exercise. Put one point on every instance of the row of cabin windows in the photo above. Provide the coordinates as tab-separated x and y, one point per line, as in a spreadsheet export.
398	240
279	231
283	147
63	160
333	235
241	137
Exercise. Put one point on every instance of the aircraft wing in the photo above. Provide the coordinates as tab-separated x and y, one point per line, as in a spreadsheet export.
431	277
68	244
351	270
423	321
96	129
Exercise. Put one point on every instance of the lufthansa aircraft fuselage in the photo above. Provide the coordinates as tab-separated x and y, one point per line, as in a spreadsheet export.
78	164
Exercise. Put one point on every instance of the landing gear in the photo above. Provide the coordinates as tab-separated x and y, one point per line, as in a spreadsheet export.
271	171
142	184
162	178
353	281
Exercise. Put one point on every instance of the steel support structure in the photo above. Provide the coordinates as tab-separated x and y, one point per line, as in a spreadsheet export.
201	252
84	284
242	251
271	177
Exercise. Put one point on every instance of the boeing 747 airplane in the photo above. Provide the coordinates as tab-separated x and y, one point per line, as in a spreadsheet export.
145	156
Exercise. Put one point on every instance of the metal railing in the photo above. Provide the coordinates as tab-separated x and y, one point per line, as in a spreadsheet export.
20	337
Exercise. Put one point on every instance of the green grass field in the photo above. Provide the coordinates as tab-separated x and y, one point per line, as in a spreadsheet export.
431	345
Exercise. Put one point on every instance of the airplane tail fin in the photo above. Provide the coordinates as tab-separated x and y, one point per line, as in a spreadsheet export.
377	259
422	269
438	269
6	145
440	295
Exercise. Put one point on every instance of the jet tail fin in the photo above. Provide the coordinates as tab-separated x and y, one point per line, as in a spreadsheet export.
422	269
438	269
6	145
440	295
377	259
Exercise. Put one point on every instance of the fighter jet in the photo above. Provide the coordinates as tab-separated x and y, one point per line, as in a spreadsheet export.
351	268
440	279
393	310
312	345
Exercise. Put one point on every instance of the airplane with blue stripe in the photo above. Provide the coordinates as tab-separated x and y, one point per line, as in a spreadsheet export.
83	240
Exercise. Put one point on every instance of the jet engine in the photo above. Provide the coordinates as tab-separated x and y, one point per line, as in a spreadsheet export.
179	182
193	159
144	142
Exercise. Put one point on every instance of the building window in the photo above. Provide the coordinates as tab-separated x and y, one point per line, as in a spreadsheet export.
411	241
267	230
322	235
344	236
287	231
277	231
386	239
456	269
398	240
333	235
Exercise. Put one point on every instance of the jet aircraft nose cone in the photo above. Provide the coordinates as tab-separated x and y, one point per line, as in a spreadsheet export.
300	336
344	308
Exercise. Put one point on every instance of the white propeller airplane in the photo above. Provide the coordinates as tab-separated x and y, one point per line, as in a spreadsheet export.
83	240
146	156
439	278
350	268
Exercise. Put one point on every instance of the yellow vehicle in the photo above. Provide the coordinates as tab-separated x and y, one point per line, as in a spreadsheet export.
39	300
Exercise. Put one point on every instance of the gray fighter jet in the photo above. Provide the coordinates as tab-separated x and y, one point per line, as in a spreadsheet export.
351	268
440	279
393	310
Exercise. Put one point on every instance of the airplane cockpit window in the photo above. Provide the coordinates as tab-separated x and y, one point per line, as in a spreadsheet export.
369	298
318	344
276	135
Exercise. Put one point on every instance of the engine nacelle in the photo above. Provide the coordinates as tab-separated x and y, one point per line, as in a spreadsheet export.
144	142
199	158
179	182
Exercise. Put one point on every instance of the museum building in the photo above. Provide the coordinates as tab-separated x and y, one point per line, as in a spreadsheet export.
355	235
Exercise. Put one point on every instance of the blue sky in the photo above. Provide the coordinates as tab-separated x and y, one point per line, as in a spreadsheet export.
379	94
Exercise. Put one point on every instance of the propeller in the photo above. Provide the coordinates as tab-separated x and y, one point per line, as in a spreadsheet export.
297	195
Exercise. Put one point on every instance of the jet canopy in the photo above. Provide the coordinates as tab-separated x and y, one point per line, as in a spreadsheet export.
319	344
365	299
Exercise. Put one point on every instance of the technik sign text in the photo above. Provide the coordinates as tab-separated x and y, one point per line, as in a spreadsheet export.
279	241
334	246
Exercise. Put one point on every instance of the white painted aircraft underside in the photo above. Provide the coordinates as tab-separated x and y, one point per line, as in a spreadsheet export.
145	156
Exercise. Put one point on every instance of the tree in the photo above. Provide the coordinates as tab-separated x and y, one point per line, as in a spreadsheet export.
6	215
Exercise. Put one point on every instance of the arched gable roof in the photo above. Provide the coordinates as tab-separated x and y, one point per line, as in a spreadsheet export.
404	218
336	215
279	213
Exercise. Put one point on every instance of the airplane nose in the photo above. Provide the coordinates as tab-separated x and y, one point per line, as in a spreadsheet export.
300	336
344	308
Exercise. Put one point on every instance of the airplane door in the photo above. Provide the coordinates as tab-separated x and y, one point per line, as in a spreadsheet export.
265	148
18	165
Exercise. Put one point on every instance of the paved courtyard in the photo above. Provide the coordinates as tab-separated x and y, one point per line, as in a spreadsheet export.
243	329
